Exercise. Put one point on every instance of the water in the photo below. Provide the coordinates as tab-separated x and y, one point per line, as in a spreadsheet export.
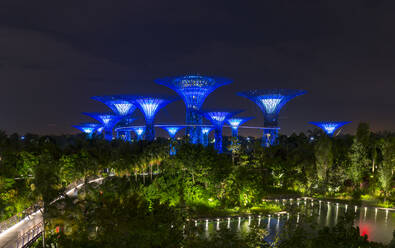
377	223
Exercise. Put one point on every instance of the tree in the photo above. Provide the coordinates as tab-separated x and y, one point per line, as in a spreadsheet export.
47	184
323	158
386	169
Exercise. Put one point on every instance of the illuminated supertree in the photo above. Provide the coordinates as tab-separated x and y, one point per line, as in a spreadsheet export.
150	105
329	127
236	122
271	101
172	130
218	118
109	120
88	128
193	89
123	133
122	105
139	131
205	132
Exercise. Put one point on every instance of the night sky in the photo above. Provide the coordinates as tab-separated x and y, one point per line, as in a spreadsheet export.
54	57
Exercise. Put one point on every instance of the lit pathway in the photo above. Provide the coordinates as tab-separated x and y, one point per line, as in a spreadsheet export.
11	238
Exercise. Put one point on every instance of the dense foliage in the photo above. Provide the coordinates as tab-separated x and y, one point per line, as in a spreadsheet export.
152	190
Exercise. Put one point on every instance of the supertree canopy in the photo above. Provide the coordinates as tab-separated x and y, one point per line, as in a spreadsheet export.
235	122
193	89
218	118
108	120
121	104
139	131
88	128
330	127
271	101
172	130
150	105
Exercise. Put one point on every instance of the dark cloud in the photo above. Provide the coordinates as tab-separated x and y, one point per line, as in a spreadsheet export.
55	55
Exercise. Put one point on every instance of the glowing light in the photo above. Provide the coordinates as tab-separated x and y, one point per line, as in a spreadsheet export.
172	130
150	106
108	120
206	130
121	104
218	118
139	130
87	129
194	90
271	104
329	127
235	122
100	130
123	108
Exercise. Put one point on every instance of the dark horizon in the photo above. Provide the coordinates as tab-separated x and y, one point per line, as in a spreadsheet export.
54	57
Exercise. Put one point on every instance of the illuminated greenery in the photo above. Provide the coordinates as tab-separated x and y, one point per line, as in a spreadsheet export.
196	182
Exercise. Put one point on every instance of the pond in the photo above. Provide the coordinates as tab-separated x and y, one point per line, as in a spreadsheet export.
377	223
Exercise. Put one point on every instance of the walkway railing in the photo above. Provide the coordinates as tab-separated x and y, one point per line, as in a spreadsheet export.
30	236
4	225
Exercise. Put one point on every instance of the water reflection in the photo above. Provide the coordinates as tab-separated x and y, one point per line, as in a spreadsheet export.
377	223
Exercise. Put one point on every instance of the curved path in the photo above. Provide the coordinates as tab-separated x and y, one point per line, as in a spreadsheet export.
30	227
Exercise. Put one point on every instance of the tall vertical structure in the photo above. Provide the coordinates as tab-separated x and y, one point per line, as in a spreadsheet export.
150	105
172	130
236	122
194	90
123	132
108	120
205	132
218	118
88	128
139	131
122	105
271	101
330	127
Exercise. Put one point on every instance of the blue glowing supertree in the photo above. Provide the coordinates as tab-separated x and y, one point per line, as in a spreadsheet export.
88	128
139	131
108	120
205	132
150	105
271	101
329	127
193	89
218	118
122	105
172	130
236	122
121	130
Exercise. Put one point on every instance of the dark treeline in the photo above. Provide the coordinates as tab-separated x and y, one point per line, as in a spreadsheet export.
152	187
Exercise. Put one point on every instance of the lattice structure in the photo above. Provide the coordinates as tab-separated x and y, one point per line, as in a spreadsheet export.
271	102
88	128
269	137
193	89
172	130
150	105
236	122
122	105
218	118
205	132
108	120
329	127
139	131
124	134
